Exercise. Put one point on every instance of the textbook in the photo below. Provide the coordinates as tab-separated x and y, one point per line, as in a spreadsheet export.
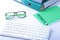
49	15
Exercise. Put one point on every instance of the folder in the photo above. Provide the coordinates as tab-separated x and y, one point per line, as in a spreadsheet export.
35	4
40	1
32	4
49	15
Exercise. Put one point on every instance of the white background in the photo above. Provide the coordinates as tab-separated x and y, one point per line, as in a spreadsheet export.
12	6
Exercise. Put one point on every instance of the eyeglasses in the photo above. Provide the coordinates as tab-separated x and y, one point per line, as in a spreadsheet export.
20	14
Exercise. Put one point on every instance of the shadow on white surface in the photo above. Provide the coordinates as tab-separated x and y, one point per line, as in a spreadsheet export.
8	38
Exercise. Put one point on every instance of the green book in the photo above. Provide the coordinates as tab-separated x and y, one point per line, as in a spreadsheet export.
49	15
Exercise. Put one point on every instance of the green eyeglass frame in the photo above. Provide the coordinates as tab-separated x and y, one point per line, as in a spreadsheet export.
20	14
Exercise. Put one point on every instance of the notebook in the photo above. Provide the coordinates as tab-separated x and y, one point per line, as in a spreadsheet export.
49	15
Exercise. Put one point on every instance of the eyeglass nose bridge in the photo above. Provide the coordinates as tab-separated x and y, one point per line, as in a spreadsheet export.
15	13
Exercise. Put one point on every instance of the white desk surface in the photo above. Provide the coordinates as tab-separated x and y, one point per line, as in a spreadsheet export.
12	6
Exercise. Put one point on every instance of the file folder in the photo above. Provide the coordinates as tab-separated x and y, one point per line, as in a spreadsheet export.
38	5
35	4
32	4
40	1
49	15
